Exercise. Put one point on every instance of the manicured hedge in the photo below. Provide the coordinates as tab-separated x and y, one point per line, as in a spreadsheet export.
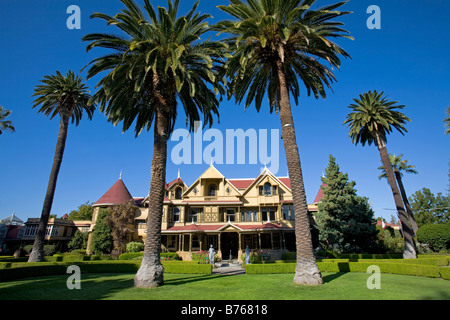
12	271
433	268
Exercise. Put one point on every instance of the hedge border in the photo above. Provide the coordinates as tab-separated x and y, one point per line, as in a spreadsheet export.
14	271
425	267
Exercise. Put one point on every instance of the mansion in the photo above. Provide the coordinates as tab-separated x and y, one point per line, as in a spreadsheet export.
229	214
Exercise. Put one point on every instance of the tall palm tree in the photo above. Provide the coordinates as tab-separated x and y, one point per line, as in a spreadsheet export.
275	43
159	60
399	166
66	97
373	117
5	124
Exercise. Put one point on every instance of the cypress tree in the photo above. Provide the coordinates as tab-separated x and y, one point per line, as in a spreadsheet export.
345	220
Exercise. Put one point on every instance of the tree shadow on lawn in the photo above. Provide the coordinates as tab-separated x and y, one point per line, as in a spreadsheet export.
194	278
96	287
333	276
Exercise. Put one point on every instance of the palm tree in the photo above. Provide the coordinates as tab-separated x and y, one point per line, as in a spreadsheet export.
373	117
399	166
275	43
160	59
66	97
5	124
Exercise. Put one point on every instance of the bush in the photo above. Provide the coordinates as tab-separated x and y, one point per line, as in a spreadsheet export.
12	271
326	266
135	247
49	250
436	236
200	256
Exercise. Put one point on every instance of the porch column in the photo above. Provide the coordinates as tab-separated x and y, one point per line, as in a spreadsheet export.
259	240
190	242
271	240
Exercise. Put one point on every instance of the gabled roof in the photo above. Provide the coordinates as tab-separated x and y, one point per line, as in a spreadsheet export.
241	183
266	172
117	194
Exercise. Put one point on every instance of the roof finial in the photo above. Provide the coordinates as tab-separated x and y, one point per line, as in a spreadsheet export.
178	173
212	162
120	175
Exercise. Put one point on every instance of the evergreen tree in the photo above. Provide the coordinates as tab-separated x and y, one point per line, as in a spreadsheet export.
101	236
344	219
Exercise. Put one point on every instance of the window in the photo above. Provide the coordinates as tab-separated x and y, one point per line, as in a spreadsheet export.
140	224
288	212
176	214
274	190
231	215
267	189
3	231
178	193
193	215
212	190
31	230
249	215
268	214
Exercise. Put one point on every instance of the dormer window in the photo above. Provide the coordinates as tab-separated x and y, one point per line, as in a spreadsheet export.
267	189
178	193
212	190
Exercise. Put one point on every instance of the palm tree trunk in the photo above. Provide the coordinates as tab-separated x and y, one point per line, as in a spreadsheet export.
306	271
409	251
151	272
37	254
406	202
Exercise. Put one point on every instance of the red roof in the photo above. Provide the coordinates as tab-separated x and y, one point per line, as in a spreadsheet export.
245	183
117	194
320	194
241	183
177	180
286	181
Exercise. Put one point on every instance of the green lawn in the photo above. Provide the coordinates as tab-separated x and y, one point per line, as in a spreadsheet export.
218	287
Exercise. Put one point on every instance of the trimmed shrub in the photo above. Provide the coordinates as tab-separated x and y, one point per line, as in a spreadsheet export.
135	246
436	236
426	268
445	273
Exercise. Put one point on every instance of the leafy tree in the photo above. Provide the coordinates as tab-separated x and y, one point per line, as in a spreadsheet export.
429	208
159	61
101	235
399	166
78	241
84	212
5	124
344	219
436	236
276	45
373	117
119	219
66	97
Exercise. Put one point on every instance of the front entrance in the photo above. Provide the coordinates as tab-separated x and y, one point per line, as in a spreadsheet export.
229	245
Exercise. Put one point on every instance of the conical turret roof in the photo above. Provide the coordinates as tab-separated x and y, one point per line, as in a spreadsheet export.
117	194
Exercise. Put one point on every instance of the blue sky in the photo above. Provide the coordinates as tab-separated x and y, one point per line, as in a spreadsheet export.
407	58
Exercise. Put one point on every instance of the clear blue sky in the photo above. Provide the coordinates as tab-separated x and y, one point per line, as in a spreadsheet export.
407	58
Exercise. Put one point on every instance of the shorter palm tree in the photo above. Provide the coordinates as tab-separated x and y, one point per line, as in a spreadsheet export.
373	117
399	166
5	124
65	96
